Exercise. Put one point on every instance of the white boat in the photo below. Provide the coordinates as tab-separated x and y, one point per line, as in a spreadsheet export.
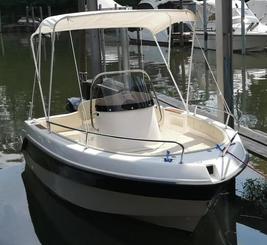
122	152
23	21
259	8
256	32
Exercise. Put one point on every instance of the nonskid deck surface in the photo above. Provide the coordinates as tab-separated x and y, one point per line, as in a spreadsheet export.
191	139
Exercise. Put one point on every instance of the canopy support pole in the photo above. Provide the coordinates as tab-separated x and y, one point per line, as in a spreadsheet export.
37	73
168	68
190	67
53	34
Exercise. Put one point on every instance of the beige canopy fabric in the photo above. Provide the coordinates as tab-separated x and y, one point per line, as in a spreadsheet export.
154	20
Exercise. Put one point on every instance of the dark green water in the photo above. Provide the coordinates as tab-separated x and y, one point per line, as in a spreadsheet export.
30	214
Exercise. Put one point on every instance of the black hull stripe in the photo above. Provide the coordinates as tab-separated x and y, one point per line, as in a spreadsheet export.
106	182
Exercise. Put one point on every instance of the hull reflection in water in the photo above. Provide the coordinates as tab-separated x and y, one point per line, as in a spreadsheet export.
159	208
59	222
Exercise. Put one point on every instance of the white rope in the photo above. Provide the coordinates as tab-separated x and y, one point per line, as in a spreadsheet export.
51	74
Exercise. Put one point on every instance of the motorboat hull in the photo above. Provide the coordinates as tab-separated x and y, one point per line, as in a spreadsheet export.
171	205
254	42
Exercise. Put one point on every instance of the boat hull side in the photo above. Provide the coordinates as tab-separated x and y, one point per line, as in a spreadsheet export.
253	42
175	213
118	184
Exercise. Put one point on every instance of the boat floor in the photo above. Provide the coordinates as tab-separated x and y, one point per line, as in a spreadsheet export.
191	140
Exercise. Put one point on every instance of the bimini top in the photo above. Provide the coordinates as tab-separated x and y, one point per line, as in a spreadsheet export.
151	19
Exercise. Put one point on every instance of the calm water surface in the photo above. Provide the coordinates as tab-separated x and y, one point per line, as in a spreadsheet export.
29	214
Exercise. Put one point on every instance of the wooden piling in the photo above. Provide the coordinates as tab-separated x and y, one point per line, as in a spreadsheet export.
1	36
224	53
0	21
27	15
33	17
181	27
205	23
49	12
243	33
41	13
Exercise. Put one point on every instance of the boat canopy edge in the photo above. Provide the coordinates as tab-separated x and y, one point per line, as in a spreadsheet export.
154	20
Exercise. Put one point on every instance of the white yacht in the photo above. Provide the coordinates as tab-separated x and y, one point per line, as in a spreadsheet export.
256	32
259	8
121	152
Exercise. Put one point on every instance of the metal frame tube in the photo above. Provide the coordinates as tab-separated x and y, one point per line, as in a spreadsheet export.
168	68
190	66
37	74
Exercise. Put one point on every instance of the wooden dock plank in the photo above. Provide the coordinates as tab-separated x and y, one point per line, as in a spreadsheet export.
255	148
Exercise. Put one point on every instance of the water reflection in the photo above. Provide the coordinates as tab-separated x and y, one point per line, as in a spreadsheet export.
58	222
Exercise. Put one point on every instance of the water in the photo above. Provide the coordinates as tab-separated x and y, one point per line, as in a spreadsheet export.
30	214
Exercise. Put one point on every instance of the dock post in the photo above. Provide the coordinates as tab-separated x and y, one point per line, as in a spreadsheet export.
33	18
41	12
103	48
93	39
181	27
224	55
0	21
205	22
49	12
1	36
27	15
243	33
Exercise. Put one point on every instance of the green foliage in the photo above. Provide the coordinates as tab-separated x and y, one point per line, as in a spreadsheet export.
255	190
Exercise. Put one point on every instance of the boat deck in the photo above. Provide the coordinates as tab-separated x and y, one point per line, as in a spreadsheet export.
192	133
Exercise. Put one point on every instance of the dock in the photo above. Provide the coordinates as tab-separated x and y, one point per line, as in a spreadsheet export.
255	141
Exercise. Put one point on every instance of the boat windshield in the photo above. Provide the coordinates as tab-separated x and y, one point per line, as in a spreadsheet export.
122	91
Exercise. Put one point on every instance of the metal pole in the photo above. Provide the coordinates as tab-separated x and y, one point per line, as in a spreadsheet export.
243	34
224	52
205	22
